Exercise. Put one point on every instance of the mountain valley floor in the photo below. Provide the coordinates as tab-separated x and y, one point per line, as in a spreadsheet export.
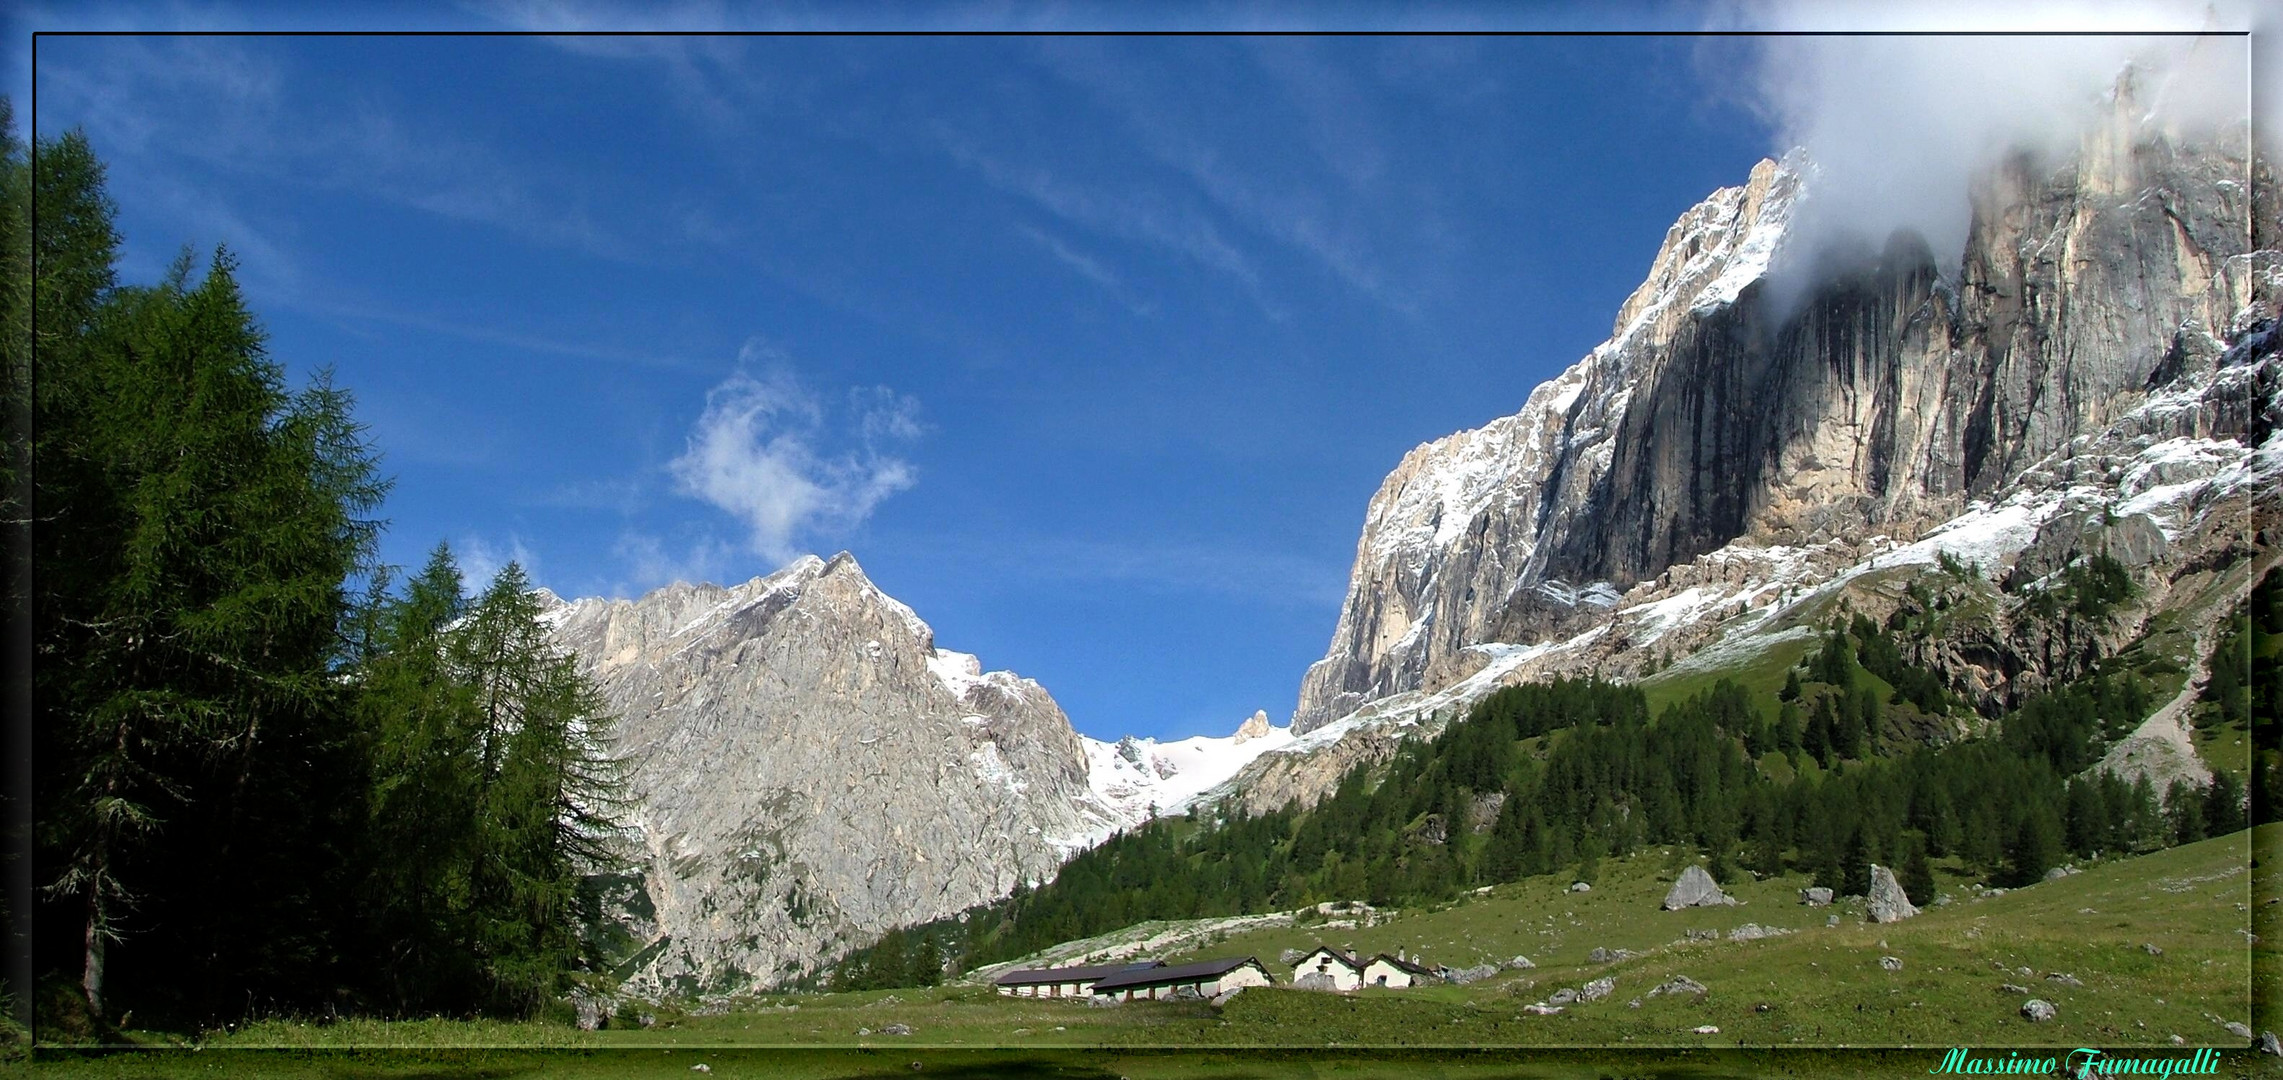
2081	942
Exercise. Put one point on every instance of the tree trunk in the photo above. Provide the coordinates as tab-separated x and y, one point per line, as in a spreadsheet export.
91	975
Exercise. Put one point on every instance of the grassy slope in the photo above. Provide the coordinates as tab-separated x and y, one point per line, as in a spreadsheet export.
1822	986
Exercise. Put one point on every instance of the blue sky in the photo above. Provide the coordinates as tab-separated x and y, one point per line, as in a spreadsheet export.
1091	349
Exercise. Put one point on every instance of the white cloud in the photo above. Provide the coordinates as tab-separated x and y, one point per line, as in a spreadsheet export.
481	560
651	564
755	453
1898	125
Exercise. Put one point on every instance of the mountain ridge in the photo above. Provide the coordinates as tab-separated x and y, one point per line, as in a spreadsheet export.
808	770
1883	401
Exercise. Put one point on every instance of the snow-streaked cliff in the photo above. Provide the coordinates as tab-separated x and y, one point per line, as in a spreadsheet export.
1134	779
1877	394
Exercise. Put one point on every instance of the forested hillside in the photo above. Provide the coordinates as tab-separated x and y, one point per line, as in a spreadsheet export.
268	777
1830	774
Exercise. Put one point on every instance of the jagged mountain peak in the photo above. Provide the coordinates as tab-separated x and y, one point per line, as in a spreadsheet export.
808	770
1878	400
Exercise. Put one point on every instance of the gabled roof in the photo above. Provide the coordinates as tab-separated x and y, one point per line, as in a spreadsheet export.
1401	964
1161	976
1351	960
1042	976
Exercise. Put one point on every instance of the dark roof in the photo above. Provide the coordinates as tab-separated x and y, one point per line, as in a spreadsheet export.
1160	976
1069	974
1407	965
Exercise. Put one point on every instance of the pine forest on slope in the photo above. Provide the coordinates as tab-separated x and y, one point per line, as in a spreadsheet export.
1826	776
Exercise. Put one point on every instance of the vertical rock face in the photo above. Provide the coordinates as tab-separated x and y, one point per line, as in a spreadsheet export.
1880	400
808	770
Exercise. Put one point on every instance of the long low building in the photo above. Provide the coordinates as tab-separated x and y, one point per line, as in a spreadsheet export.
1207	978
1063	981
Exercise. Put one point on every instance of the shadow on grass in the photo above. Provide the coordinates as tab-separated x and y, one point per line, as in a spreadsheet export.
1075	1064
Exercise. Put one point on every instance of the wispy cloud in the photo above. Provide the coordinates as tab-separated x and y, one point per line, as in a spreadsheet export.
757	453
255	116
1086	266
624	495
490	335
650	563
1137	215
482	559
1295	210
1240	568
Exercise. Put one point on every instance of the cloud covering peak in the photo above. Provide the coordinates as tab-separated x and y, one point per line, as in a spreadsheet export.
1897	125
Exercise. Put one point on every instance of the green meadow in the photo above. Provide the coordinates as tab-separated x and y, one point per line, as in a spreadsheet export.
1783	1005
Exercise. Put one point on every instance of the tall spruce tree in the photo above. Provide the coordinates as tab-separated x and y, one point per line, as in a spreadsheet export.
196	525
15	537
492	794
1917	875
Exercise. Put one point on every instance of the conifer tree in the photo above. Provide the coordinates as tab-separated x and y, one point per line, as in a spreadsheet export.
1789	736
1860	855
1819	736
2087	822
2185	806
2149	826
1917	876
1870	720
927	963
2035	847
492	794
2223	804
199	526
15	526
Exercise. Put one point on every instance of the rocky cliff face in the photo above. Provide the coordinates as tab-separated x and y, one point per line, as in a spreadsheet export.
808	770
1883	401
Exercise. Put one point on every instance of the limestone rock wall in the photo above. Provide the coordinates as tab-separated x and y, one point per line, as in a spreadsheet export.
1724	408
808	771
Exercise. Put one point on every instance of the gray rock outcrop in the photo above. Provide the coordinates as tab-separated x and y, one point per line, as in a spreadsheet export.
590	1010
1888	901
1476	973
1880	401
1695	888
1680	984
2038	1011
1817	896
807	771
